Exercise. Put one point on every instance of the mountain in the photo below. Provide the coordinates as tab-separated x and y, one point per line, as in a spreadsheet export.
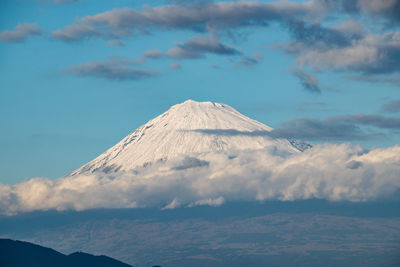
274	233
189	129
18	253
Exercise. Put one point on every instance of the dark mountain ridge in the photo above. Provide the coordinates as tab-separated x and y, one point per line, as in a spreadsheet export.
15	253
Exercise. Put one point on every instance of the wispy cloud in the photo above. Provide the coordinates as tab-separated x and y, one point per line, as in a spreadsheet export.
196	17
115	42
372	120
249	61
20	33
371	57
313	106
113	70
387	9
308	81
373	54
175	65
197	47
391	79
349	46
337	128
392	106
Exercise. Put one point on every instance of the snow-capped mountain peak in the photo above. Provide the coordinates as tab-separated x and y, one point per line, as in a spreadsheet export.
187	129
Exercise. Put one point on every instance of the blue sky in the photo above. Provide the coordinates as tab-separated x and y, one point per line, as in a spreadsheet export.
78	76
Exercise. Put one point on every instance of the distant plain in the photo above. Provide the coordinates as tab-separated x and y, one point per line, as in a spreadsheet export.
301	233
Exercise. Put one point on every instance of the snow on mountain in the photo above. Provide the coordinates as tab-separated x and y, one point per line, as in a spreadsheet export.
189	129
208	154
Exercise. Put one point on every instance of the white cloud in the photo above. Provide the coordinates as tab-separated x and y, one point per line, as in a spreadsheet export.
173	205
214	202
325	172
372	54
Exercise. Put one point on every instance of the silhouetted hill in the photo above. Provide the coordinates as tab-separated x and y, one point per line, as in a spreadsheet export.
23	254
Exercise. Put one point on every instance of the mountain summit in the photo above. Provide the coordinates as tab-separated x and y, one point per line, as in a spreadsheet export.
188	129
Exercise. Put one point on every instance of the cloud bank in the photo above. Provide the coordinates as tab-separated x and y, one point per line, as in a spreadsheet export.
333	172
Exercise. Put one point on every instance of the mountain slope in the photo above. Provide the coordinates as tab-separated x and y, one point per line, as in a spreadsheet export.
19	253
187	129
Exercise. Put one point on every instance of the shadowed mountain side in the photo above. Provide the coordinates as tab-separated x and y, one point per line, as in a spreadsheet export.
274	133
19	253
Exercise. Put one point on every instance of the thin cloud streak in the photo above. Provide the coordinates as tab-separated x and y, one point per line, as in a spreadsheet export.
337	128
20	33
196	47
113	70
